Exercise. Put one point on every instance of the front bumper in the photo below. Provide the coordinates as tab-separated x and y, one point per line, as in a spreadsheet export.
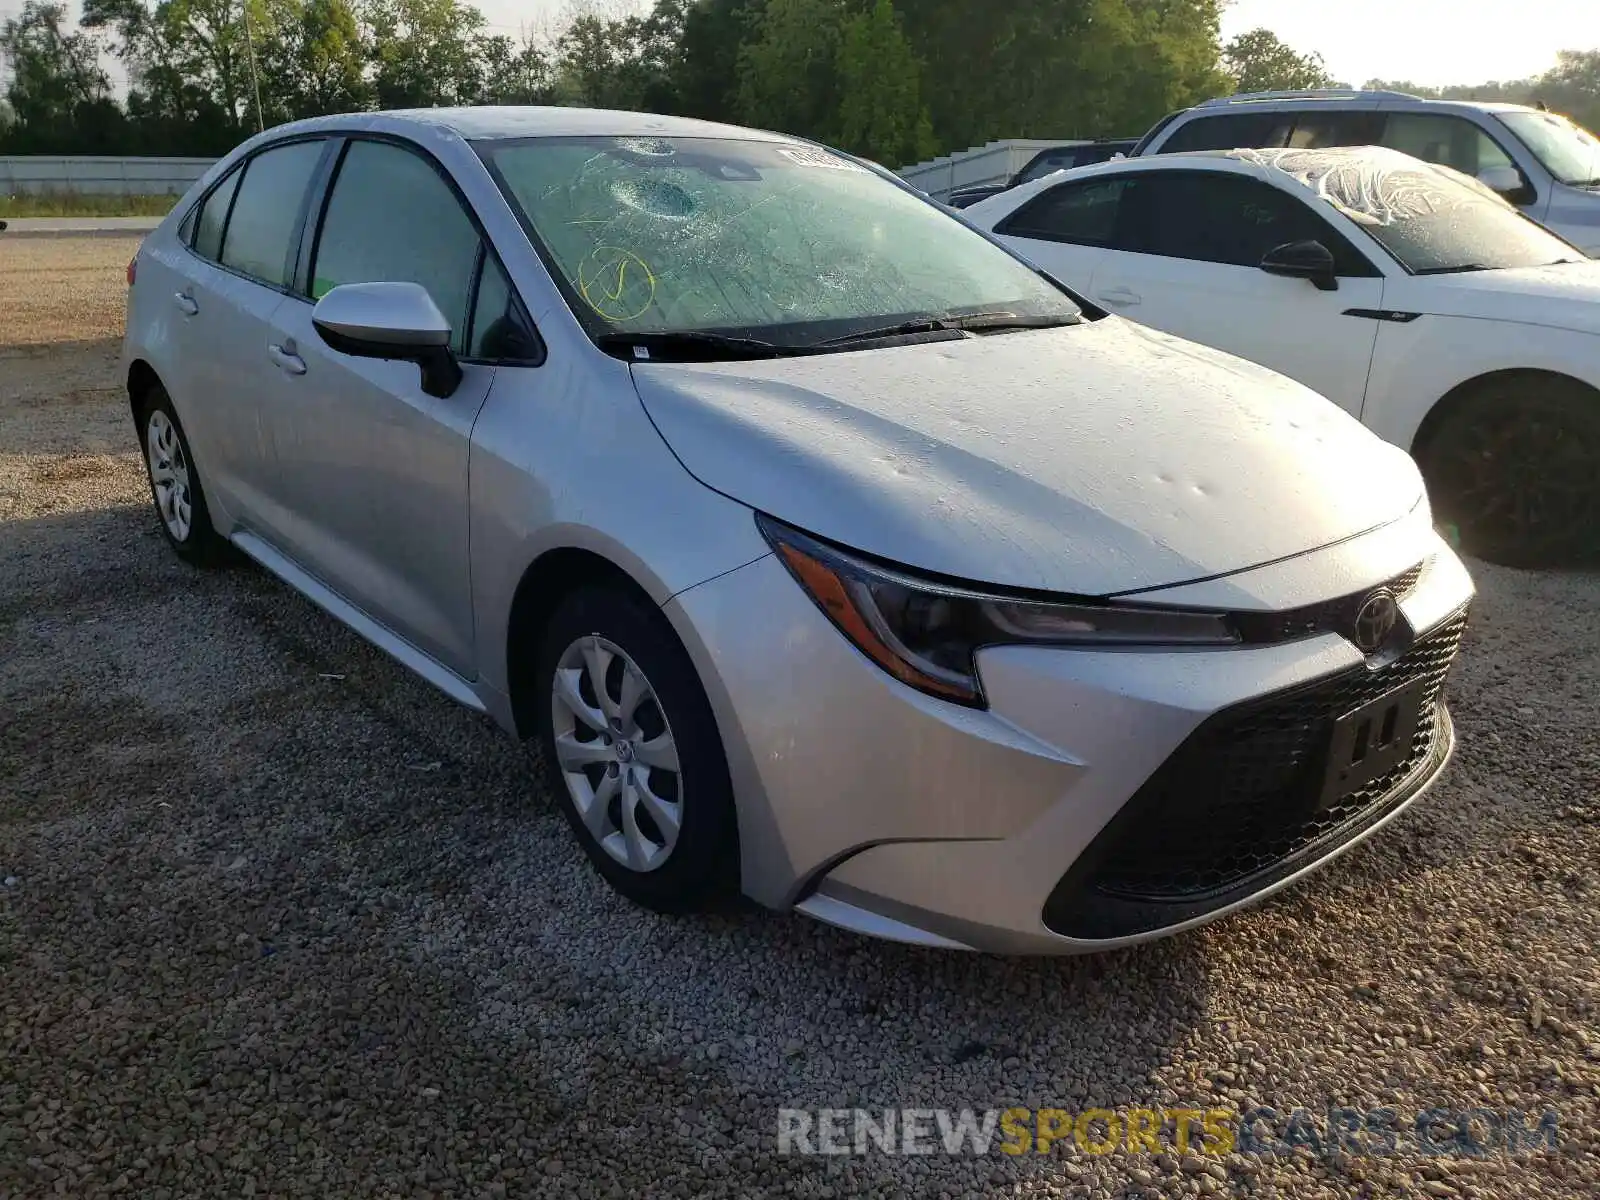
872	806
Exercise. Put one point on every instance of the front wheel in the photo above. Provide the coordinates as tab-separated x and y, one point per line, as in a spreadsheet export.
1515	467
628	734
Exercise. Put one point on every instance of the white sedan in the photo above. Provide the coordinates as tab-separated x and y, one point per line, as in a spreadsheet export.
1414	298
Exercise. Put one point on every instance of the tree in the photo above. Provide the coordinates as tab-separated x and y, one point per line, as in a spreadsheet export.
1061	68
515	72
1573	86
1260	62
789	75
705	79
54	74
626	63
310	59
881	114
424	52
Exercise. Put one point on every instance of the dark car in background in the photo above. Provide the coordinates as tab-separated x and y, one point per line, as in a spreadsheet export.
1047	162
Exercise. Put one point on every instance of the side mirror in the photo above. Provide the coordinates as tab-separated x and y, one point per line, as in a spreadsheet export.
393	321
1506	182
1303	260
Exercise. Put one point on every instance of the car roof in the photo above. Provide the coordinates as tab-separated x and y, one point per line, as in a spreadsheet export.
497	122
1286	166
1277	101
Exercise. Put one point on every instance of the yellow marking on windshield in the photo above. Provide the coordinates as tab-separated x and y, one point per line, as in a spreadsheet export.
616	283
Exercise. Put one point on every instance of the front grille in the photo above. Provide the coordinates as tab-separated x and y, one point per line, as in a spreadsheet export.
1234	808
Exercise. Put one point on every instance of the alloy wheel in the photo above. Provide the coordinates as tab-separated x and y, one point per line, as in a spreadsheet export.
169	475
616	753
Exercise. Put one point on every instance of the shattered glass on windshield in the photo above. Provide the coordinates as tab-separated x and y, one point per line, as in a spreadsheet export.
678	234
1433	219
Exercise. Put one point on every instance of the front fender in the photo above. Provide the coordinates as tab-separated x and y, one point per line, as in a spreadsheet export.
564	457
1417	364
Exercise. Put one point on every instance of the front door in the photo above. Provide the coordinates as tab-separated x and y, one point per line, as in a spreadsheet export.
374	471
1186	260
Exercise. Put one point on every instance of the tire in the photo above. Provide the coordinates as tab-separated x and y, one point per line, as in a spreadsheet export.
602	773
1514	465
175	487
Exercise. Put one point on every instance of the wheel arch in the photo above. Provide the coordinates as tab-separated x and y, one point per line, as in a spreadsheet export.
1441	409
141	378
544	582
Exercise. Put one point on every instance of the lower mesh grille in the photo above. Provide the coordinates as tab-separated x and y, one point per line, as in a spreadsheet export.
1235	807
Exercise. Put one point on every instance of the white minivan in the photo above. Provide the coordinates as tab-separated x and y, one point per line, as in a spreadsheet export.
1545	164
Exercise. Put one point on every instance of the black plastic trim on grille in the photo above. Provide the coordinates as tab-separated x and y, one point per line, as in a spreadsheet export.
1327	616
1232	810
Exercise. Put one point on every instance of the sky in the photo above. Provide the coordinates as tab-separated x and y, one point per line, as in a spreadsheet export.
1429	42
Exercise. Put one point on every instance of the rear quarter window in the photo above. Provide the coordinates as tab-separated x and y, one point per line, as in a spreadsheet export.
213	218
1230	131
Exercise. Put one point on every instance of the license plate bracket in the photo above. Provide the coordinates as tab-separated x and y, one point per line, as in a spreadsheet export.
1370	741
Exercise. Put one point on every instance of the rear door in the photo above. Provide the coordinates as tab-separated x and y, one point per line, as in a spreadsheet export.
242	243
1065	229
1186	259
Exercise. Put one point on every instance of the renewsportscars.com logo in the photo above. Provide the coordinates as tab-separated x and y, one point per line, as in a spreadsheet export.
1261	1130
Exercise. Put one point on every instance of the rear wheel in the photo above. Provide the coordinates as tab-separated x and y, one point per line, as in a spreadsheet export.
628	734
1514	465
175	483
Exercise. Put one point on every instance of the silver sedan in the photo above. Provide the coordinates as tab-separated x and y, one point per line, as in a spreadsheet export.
828	551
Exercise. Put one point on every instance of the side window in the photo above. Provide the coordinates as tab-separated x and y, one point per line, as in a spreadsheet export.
1314	130
1230	219
1048	162
214	218
1082	213
1448	141
267	212
501	330
1257	130
391	219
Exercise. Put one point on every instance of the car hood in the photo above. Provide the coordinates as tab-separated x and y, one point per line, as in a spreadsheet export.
1092	460
1559	297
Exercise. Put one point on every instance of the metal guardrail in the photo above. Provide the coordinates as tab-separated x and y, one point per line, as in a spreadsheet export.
993	163
99	175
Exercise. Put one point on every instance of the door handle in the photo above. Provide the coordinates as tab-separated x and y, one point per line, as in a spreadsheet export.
1119	297
186	304
286	359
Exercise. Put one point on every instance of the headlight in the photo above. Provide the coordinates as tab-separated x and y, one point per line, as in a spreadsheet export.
927	634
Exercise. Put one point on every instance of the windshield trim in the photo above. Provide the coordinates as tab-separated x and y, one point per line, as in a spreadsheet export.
1504	118
598	330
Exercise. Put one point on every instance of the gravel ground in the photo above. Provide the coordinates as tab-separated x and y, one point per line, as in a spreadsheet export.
276	919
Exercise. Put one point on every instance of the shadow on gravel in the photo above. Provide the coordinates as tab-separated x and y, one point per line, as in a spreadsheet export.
282	913
287	912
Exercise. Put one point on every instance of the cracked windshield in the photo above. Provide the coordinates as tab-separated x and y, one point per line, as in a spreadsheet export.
784	242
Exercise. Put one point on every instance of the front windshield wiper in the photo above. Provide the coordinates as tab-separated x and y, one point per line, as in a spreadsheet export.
691	345
1462	269
1584	183
1000	321
990	322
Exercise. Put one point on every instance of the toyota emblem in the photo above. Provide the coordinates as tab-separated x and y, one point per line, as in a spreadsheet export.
1376	621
